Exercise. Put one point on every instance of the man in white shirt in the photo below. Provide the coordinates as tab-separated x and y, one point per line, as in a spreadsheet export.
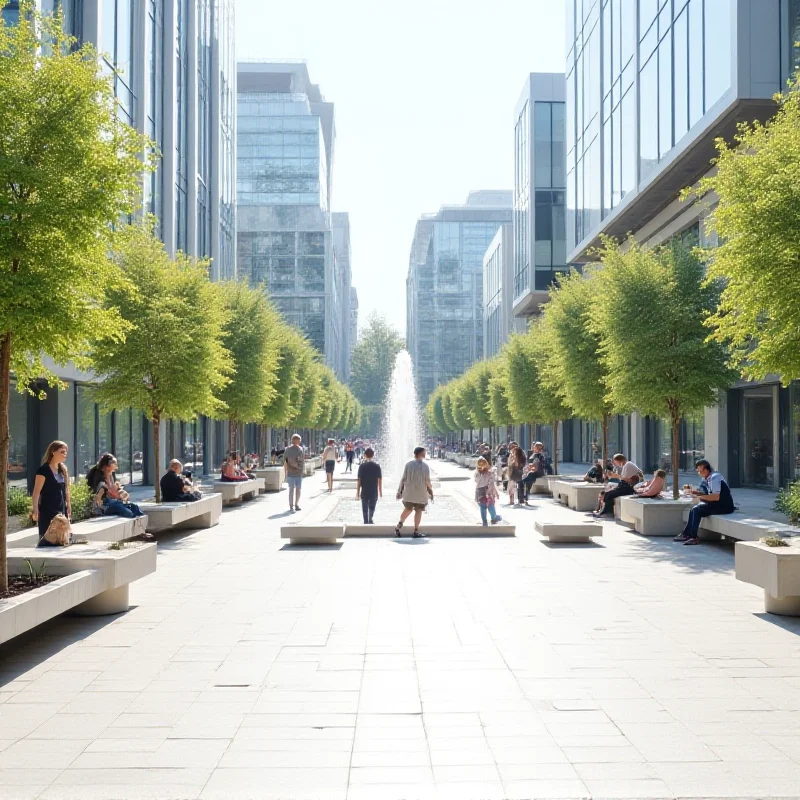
628	475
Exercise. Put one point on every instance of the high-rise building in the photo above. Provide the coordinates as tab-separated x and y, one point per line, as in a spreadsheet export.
650	86
285	139
444	287
174	76
499	321
353	319
539	190
343	284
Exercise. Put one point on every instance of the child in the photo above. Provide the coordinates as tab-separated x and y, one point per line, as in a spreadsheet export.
486	491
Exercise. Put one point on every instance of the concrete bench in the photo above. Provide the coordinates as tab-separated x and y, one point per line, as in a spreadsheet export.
96	529
549	480
741	527
308	468
236	491
561	532
317	533
202	513
578	495
272	477
93	580
652	516
776	570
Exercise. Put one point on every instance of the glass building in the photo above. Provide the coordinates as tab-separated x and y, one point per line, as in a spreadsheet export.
285	239
539	191
499	321
173	69
343	280
444	287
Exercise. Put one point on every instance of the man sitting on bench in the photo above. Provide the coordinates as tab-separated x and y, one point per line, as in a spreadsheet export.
175	488
628	475
715	497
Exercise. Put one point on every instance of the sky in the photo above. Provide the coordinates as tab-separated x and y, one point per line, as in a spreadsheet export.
424	96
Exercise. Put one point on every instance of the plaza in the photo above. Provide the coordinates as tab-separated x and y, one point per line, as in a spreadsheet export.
381	668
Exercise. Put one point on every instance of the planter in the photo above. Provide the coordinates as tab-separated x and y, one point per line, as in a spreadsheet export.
776	570
272	477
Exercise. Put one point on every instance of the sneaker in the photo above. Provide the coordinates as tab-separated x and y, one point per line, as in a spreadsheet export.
693	540
291	508
681	537
297	508
496	520
486	524
397	530
417	535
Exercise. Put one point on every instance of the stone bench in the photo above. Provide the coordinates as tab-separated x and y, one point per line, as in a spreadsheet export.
272	477
653	516
236	491
317	533
308	468
561	532
578	495
96	529
549	480
776	570
202	513
92	580
741	527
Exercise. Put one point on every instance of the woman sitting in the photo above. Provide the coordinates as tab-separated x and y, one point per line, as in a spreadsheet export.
231	471
109	496
654	487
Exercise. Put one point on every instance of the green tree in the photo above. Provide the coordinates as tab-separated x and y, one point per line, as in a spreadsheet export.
306	393
447	407
498	388
575	361
671	369
250	335
68	169
372	361
279	411
172	362
756	186
477	379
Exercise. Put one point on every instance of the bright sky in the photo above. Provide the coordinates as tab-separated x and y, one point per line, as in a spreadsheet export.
424	94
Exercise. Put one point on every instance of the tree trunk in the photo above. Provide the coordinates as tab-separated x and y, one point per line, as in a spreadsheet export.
156	418
676	460
555	447
5	443
605	440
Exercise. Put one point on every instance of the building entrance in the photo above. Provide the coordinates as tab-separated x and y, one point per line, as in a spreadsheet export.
759	432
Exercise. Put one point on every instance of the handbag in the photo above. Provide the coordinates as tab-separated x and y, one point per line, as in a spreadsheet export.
58	531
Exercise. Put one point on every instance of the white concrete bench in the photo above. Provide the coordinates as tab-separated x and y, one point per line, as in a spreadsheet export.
202	513
313	533
653	516
561	532
549	480
272	477
92	580
236	491
578	495
308	468
776	570
96	529
741	527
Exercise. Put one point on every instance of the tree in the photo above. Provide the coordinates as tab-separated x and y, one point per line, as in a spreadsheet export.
305	393
575	362
476	392
278	411
447	407
172	362
250	336
756	185
498	387
671	369
373	359
69	168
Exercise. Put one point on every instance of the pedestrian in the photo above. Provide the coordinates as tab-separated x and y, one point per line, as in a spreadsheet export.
329	460
294	458
628	475
369	485
415	490
715	497
536	468
516	463
51	489
486	494
349	454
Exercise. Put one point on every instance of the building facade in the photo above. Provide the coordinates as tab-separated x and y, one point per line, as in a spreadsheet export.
173	67
285	139
650	85
540	248
343	281
353	319
499	321
444	287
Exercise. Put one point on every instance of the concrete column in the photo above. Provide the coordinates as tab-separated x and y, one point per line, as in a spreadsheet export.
170	125
637	442
716	437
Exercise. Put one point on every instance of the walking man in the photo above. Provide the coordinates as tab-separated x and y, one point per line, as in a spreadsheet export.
293	462
415	490
369	486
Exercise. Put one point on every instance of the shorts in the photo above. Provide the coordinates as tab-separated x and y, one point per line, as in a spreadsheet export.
294	482
414	506
329	466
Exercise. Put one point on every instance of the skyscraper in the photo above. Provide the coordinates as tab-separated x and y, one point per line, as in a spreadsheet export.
285	138
343	283
353	318
444	287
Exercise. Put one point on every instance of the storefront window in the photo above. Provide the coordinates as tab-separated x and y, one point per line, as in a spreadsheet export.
86	441
18	454
691	446
104	441
122	433
758	406
137	447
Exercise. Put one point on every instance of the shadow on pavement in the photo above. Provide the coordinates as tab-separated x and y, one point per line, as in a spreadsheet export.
298	548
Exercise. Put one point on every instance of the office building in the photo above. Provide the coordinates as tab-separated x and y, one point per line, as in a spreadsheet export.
353	319
174	76
285	139
444	287
697	67
540	180
343	285
499	321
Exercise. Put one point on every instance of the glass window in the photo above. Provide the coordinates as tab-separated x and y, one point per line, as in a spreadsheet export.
696	82
104	438
681	77
122	444
794	34
137	447
718	49
18	454
648	9
86	441
648	116
542	166
628	144
608	179
665	96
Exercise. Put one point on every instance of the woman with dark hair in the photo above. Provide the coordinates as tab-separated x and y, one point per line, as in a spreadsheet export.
109	496
51	489
516	463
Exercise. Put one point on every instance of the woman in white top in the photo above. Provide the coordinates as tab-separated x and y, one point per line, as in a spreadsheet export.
329	459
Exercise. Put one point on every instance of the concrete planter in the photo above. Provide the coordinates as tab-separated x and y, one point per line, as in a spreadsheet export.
776	570
652	516
236	491
272	477
202	513
578	495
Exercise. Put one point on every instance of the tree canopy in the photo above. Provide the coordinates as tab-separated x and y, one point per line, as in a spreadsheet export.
373	359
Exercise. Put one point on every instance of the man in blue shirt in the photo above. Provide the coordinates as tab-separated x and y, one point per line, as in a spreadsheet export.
715	498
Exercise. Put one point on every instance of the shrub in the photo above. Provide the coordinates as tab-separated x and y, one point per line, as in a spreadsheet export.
81	500
788	502
19	503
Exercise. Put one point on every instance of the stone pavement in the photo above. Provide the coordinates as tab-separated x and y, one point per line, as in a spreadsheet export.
382	669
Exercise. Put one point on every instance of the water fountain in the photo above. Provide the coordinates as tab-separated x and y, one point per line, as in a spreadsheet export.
402	426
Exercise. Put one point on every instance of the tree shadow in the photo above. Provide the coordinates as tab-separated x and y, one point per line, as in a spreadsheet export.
572	545
298	548
709	556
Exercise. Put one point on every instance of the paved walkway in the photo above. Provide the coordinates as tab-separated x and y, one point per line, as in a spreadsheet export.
452	668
